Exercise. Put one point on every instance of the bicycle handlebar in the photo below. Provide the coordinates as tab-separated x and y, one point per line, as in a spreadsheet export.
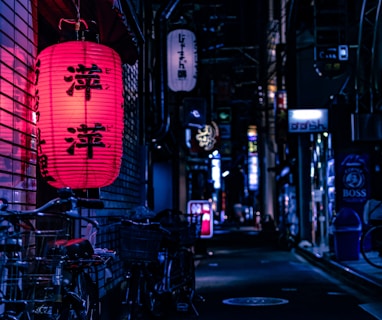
66	196
140	223
147	224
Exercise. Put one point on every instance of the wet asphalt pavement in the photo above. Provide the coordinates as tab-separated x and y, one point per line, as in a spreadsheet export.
243	275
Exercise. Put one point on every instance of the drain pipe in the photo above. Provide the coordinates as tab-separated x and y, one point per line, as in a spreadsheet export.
161	86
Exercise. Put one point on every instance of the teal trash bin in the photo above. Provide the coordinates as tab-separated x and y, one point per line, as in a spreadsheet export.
347	230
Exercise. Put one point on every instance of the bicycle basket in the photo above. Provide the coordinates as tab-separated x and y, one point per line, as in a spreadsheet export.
26	274
184	229
194	228
139	243
191	233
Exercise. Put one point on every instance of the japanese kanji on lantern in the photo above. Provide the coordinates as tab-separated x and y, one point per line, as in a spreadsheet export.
79	109
182	60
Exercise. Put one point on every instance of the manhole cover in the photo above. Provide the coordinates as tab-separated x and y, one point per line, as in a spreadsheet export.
254	301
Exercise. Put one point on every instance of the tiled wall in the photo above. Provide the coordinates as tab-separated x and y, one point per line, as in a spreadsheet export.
17	123
126	191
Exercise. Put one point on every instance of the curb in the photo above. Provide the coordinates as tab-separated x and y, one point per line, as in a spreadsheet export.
353	278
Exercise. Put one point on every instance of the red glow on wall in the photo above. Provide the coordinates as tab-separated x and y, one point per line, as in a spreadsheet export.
79	107
17	144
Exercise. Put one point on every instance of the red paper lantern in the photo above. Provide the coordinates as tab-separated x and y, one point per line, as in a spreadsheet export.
79	107
182	58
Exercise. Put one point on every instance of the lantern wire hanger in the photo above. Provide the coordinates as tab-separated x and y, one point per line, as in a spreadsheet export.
79	33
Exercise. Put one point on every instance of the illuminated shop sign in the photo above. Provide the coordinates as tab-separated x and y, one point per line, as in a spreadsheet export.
308	120
203	208
208	136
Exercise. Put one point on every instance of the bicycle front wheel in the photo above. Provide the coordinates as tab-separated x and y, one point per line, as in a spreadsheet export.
181	277
371	246
131	289
81	302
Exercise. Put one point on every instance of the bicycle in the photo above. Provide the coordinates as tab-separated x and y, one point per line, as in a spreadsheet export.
159	261
45	273
371	238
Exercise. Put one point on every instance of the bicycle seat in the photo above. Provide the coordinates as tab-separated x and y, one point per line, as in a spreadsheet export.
80	248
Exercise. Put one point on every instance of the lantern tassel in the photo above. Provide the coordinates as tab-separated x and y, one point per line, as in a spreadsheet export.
77	22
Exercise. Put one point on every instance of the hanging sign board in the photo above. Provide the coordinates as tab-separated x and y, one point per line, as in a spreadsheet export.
181	60
308	120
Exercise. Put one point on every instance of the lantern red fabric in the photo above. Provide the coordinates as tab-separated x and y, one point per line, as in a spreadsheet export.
79	108
182	58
